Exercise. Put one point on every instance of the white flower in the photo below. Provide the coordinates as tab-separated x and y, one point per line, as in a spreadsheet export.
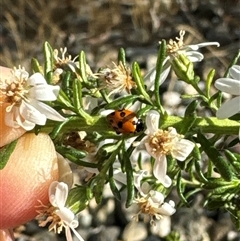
24	96
117	79
153	206
230	86
57	213
160	143
64	60
175	48
191	51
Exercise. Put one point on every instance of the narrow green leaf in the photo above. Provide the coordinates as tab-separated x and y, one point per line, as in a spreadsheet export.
159	69
5	153
77	94
78	198
66	83
130	182
180	190
113	186
122	56
82	66
140	82
232	158
216	157
209	82
48	67
36	66
191	108
77	154
201	176
64	100
118	103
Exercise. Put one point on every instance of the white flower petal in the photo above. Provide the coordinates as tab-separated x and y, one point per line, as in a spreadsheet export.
228	85
152	121
36	79
51	193
229	108
57	193
182	149
194	56
157	197
48	111
77	234
198	46
167	209
29	113
66	215
235	72
137	180
44	92
61	194
25	124
160	168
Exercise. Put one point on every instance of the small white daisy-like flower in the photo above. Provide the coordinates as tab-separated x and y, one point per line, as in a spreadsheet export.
117	79
153	207
231	86
160	143
191	51
23	98
57	213
64	60
175	48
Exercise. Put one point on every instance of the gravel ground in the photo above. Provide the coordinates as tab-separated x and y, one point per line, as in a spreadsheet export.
100	28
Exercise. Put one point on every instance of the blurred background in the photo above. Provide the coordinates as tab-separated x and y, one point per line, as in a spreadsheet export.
100	28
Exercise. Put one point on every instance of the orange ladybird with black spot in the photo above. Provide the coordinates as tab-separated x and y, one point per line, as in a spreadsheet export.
125	122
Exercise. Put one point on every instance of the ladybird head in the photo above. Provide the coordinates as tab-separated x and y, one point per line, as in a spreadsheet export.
139	125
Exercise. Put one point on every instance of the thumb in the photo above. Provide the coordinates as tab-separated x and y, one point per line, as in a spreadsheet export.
6	235
25	179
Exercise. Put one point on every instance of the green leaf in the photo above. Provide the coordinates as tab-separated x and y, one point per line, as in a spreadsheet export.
209	82
36	66
137	76
48	67
77	94
180	189
78	198
118	103
113	186
216	157
66	83
130	182
83	66
6	152
159	69
122	56
191	109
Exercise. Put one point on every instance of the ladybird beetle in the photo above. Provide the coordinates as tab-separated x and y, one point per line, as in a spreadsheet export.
125	122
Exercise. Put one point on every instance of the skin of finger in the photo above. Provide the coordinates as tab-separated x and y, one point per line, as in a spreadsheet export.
6	235
26	178
7	134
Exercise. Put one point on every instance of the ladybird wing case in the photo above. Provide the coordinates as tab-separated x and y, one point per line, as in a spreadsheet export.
125	122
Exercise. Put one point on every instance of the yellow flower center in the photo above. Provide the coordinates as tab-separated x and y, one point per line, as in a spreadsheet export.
47	214
174	46
148	209
162	142
118	79
14	91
